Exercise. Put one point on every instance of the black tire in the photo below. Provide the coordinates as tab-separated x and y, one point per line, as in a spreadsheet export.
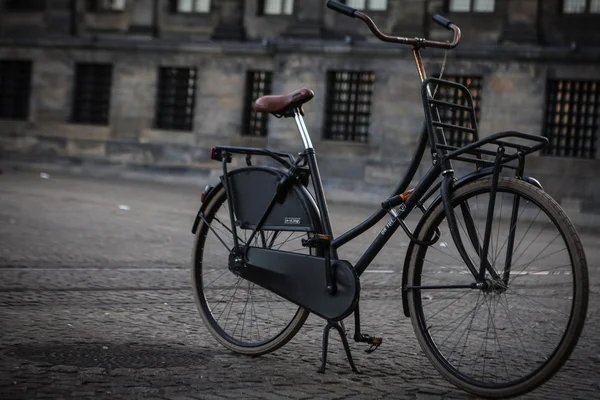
243	317
507	340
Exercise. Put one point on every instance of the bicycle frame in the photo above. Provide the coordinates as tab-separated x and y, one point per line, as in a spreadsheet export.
401	203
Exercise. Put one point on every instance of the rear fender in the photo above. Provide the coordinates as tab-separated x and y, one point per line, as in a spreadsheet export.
205	201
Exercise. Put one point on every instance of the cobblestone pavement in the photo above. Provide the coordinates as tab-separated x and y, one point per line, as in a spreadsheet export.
96	302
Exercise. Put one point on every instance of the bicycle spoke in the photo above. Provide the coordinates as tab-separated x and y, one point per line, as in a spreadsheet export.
459	298
528	327
216	234
289	239
541	251
468	329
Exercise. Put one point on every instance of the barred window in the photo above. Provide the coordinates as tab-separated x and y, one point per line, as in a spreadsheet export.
91	95
373	5
106	5
258	83
176	98
572	123
456	116
581	7
471	5
190	6
15	89
276	7
348	105
28	5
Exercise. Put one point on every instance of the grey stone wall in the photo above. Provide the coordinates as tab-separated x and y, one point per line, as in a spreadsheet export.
300	50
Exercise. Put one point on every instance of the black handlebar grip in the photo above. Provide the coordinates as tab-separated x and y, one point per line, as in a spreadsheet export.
445	22
341	8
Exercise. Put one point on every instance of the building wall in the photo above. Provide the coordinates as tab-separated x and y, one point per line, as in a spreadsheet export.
516	49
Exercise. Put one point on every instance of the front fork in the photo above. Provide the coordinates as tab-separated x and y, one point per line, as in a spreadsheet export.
482	249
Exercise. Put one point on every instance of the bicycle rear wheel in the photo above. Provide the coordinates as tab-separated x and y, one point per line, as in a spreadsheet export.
508	338
242	316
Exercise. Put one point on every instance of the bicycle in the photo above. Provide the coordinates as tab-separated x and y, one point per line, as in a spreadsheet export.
497	301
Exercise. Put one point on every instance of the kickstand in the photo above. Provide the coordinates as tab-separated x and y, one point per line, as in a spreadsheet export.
336	325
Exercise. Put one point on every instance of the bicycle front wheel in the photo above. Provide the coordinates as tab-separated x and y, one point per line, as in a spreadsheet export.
513	334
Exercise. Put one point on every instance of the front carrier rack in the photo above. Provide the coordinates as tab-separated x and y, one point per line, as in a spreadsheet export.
515	145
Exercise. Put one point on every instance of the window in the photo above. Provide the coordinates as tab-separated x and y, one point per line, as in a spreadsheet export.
459	117
373	5
29	5
91	96
276	7
348	105
15	88
176	98
581	7
572	123
258	83
106	5
471	5
190	6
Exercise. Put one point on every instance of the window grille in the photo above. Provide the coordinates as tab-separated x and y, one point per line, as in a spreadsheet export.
572	123
581	6
459	117
373	5
190	6
276	7
471	5
91	95
258	83
25	5
106	5
348	105
15	89
176	98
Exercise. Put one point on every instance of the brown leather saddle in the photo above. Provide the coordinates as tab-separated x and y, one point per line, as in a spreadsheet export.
284	105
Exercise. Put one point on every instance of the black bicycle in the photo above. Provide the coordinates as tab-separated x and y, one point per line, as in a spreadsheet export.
495	277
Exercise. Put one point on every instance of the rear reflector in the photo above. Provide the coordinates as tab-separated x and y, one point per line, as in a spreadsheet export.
206	191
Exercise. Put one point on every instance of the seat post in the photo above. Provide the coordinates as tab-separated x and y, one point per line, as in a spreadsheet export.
302	128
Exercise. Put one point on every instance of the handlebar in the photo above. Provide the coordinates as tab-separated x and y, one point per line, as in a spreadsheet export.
415	42
341	8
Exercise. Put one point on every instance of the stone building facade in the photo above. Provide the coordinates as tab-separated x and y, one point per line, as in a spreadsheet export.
155	83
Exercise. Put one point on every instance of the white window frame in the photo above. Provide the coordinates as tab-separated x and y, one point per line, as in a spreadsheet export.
371	5
111	5
277	7
468	6
193	6
571	7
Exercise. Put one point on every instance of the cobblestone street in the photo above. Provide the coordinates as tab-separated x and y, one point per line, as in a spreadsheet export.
96	302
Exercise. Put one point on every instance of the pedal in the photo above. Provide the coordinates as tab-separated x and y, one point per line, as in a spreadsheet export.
316	241
374	341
